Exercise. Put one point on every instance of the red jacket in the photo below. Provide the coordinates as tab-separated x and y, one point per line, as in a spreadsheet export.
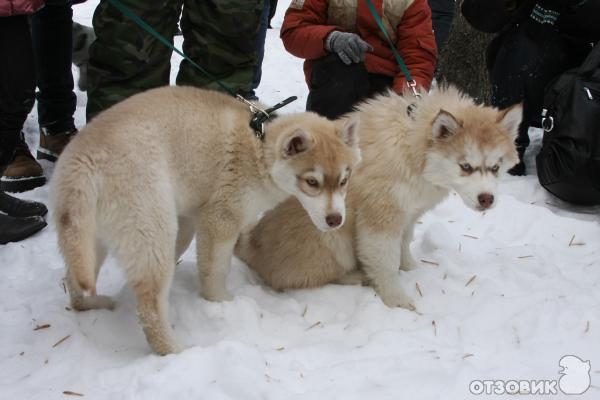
19	7
308	22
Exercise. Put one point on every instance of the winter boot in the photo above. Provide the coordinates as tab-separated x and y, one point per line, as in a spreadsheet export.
52	144
15	229
23	173
18	208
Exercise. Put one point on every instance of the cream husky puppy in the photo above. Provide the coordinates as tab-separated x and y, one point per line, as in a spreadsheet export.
146	175
409	165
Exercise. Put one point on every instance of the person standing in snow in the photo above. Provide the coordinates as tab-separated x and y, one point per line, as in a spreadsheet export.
18	218
51	33
536	42
219	35
347	58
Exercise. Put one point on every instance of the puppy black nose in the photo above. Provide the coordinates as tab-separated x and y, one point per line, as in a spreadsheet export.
485	200
333	220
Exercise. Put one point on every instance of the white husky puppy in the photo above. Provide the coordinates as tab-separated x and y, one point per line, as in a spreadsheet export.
409	165
146	175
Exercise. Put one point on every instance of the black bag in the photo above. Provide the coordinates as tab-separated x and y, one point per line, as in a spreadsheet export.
568	165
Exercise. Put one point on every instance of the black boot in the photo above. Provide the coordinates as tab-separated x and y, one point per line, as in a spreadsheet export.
18	208
15	229
19	219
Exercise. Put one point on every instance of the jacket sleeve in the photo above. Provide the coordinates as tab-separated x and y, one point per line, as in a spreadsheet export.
416	45
304	29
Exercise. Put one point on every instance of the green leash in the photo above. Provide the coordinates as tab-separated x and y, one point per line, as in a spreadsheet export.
259	116
412	84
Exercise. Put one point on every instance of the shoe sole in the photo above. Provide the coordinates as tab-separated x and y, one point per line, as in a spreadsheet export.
43	154
19	185
24	235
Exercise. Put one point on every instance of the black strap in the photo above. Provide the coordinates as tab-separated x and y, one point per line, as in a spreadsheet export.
260	116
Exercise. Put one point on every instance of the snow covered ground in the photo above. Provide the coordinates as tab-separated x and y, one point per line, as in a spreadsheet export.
503	296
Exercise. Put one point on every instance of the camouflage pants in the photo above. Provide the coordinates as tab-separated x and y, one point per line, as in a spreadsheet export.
219	35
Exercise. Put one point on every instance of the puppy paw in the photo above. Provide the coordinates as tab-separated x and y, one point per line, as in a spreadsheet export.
396	298
96	302
217	295
166	348
407	262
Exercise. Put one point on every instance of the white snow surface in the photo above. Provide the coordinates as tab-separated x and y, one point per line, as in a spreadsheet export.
512	290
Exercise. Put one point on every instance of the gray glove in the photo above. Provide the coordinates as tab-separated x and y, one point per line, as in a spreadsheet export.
349	47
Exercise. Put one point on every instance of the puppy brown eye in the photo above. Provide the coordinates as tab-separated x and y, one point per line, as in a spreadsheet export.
312	182
466	167
495	168
343	181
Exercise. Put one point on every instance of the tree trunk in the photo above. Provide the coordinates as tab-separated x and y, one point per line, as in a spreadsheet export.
462	61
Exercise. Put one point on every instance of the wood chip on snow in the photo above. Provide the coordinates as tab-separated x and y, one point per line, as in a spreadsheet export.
70	393
470	280
61	340
418	289
313	325
572	242
39	327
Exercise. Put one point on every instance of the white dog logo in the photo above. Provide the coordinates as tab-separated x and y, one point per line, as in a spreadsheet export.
575	375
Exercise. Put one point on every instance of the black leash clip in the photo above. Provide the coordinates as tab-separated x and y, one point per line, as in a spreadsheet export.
260	116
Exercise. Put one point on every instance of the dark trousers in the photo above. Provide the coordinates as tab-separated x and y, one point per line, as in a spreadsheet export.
17	82
442	13
260	44
523	61
336	87
52	33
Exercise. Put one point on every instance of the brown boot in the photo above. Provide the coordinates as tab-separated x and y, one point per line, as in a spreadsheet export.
23	173
51	145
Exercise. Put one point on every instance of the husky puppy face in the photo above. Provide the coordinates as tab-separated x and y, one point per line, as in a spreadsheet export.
318	176
471	149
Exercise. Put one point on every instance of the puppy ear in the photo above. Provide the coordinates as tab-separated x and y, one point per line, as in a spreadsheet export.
349	132
445	125
297	142
510	118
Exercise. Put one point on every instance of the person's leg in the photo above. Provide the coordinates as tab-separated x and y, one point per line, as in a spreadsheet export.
17	94
220	35
525	62
260	48
124	59
336	87
272	11
16	100
52	34
442	13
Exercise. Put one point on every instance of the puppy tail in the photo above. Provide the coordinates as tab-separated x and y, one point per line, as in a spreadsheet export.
75	198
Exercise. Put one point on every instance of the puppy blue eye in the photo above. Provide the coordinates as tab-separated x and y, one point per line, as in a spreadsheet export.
466	167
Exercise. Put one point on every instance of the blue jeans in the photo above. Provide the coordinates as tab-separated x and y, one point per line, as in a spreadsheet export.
52	36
